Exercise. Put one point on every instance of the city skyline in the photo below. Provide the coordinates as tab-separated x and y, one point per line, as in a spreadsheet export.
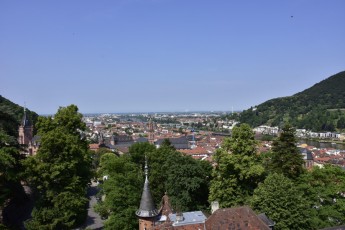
164	55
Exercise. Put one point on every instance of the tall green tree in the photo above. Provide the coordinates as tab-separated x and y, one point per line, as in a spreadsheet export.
325	190
185	179
122	192
166	143
238	169
282	202
60	171
286	157
96	156
137	151
8	165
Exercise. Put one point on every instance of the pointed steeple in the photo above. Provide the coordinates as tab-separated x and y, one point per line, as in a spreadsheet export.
25	119
25	131
147	206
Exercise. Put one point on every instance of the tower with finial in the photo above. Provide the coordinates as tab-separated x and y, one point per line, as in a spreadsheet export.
25	131
147	211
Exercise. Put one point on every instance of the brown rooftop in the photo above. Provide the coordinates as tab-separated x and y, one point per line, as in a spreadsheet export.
240	218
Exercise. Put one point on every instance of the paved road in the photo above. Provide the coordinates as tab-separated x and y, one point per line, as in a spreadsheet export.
93	220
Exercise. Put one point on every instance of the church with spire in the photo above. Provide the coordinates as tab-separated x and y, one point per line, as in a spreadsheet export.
25	132
26	139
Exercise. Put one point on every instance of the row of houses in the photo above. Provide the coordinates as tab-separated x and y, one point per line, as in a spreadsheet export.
264	129
322	135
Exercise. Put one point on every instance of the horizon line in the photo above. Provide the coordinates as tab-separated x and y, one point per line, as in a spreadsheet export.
153	112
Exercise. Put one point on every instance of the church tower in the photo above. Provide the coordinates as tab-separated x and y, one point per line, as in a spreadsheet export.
151	131
25	131
147	211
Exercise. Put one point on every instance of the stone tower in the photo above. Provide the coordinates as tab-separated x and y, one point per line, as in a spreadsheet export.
147	211
25	131
151	132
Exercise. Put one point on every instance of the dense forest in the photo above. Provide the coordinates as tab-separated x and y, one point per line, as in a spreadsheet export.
318	108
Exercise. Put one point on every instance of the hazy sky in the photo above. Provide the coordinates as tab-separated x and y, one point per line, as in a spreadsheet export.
166	55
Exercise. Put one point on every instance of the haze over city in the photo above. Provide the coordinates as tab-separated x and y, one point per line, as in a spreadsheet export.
165	55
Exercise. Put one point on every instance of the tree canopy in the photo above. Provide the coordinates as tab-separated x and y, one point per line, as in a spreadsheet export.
315	108
137	151
286	157
11	168
60	171
279	199
324	189
238	169
122	192
184	179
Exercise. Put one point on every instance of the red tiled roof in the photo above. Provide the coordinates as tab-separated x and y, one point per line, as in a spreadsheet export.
235	218
197	150
122	149
94	146
322	159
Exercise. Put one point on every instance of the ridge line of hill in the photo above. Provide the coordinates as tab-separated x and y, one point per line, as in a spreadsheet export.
318	108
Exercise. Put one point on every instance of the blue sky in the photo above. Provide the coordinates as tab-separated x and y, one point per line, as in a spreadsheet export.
165	55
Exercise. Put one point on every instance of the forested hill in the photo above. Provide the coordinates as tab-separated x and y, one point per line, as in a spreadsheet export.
11	115
318	108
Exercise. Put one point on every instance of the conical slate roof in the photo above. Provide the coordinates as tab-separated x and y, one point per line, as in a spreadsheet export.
147	206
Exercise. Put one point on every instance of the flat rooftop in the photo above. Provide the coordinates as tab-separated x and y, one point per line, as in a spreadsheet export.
196	217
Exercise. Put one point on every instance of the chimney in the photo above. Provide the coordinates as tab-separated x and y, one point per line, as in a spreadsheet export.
214	206
179	217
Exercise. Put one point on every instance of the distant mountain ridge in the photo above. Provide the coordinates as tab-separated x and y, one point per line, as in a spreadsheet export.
11	115
319	108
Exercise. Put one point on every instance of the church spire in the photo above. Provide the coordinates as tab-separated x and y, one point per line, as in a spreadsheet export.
146	170
147	207
25	120
25	131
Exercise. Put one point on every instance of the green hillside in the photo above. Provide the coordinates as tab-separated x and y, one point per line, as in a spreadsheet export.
11	115
319	108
